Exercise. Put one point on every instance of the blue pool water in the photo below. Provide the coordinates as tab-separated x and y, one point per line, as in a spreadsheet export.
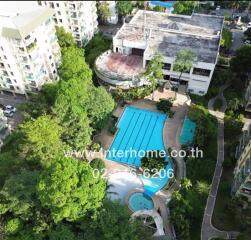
139	201
168	5
140	129
187	132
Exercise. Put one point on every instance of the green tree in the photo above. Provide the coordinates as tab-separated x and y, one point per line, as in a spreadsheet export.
164	105
62	232
12	226
69	190
185	7
124	7
104	12
241	62
42	140
65	39
99	107
154	71
18	195
184	61
70	111
95	47
226	38
74	66
113	223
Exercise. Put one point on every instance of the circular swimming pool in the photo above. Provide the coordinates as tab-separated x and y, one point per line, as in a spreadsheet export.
140	201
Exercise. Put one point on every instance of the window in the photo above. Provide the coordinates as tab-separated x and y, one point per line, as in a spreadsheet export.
54	71
57	4
59	13
8	80
201	72
27	37
12	73
167	66
60	20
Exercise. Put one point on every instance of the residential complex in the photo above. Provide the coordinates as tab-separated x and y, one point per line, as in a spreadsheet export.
77	17
29	52
150	33
242	173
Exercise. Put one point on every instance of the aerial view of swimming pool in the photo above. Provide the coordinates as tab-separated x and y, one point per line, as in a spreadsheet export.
187	132
139	130
140	201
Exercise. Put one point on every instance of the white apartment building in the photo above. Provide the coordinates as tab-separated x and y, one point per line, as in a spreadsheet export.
29	52
242	174
150	33
77	17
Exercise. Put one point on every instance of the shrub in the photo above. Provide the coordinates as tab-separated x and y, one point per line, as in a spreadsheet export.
97	163
132	94
153	161
95	147
164	105
112	125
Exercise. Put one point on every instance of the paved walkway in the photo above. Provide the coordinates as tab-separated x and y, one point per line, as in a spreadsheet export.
208	231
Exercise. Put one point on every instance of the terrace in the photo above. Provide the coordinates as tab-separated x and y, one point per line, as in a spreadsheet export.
120	69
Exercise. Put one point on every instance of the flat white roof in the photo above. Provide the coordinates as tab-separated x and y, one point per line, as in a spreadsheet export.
168	33
18	18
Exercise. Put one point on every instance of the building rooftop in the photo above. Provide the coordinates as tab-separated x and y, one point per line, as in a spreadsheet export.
168	33
19	18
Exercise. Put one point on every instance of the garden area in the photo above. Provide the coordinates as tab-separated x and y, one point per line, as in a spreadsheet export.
187	205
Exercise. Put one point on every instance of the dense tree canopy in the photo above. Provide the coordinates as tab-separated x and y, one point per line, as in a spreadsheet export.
97	45
64	39
42	140
99	107
185	7
124	7
71	113
241	62
113	223
103	10
69	189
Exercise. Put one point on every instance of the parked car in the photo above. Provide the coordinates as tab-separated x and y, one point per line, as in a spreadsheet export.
2	106
217	8
247	42
249	25
8	113
11	108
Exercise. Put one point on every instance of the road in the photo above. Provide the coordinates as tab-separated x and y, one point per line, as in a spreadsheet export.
9	99
238	37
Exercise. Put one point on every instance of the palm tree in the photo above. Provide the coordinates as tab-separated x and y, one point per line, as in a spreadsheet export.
183	62
234	104
154	71
186	184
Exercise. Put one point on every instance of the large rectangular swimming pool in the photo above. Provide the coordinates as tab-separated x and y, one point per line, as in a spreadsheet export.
139	130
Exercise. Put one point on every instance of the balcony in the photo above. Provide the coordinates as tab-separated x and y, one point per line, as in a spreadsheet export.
31	47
